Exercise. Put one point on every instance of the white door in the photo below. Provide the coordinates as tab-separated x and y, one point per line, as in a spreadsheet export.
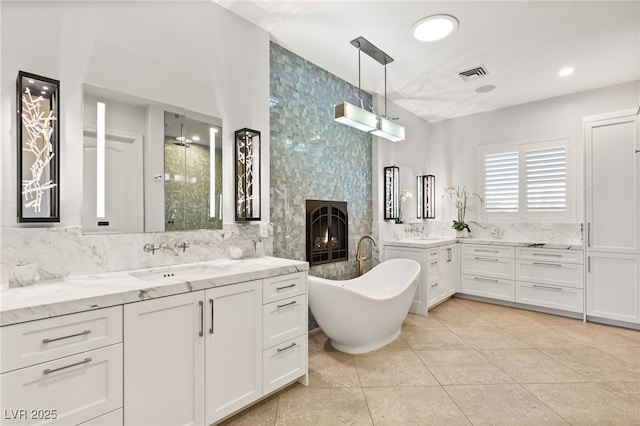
613	185
164	368
613	289
123	187
233	348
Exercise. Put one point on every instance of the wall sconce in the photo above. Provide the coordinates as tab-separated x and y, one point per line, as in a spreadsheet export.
38	108
247	161
419	197
428	196
391	193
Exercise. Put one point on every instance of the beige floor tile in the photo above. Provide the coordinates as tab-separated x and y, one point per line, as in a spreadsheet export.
542	336
434	338
399	344
319	342
630	357
598	335
332	370
531	366
315	406
548	319
507	319
418	322
392	368
631	334
457	367
587	403
420	405
629	391
488	338
502	405
263	413
594	364
460	318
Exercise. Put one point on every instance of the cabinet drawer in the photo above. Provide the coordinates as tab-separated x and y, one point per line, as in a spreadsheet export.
78	387
433	253
433	270
550	255
487	250
283	320
283	287
284	363
549	272
489	266
488	287
550	296
47	339
114	418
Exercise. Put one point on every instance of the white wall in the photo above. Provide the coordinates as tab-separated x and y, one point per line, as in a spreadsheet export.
454	142
195	55
410	155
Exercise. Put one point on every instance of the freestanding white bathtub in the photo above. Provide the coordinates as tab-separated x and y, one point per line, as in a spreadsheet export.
365	313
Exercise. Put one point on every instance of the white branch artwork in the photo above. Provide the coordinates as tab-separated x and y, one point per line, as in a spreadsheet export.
37	125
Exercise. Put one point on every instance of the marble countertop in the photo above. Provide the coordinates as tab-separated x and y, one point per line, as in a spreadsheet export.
86	292
424	242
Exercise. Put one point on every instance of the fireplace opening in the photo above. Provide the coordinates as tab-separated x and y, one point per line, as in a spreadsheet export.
327	232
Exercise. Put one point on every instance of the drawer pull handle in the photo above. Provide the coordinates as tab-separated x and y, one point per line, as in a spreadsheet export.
82	333
558	265
433	254
287	348
547	255
201	332
485	280
49	371
286	286
211	329
286	304
435	262
547	287
434	284
486	259
486	251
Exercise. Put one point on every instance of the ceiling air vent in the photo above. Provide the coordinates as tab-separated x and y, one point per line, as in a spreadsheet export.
473	73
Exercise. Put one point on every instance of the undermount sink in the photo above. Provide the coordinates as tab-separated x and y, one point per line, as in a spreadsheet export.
182	273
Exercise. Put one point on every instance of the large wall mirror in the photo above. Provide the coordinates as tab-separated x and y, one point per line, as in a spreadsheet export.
149	167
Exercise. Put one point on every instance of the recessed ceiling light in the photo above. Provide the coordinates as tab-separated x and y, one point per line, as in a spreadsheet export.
566	71
485	89
434	28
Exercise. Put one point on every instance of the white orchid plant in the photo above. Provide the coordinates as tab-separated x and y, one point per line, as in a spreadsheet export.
460	197
405	195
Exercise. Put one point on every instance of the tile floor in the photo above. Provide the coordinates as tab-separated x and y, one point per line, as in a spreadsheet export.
469	363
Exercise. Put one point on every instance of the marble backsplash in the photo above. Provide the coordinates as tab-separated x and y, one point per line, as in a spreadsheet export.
64	251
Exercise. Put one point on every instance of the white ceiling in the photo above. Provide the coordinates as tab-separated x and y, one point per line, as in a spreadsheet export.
521	43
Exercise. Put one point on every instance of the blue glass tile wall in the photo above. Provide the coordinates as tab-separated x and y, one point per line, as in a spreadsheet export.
313	157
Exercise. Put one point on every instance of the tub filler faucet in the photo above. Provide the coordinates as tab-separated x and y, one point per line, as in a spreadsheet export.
359	257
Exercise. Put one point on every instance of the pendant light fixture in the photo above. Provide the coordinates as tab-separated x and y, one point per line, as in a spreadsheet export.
352	115
359	117
386	128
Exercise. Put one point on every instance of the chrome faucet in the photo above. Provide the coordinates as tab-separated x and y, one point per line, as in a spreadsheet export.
359	257
167	247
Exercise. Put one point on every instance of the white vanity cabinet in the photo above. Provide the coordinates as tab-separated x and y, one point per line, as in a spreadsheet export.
181	348
198	357
550	278
439	272
488	271
63	370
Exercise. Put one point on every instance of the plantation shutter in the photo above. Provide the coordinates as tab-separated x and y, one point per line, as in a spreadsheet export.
501	182
546	180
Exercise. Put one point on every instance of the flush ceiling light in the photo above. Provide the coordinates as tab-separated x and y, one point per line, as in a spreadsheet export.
434	28
566	71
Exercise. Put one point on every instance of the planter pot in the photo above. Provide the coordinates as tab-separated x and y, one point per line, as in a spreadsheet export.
464	233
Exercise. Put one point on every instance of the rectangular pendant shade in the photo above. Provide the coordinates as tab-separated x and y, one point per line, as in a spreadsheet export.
389	130
354	116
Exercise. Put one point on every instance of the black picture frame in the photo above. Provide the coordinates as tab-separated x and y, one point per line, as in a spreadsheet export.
38	150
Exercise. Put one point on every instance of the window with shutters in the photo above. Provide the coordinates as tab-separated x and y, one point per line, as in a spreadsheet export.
527	180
